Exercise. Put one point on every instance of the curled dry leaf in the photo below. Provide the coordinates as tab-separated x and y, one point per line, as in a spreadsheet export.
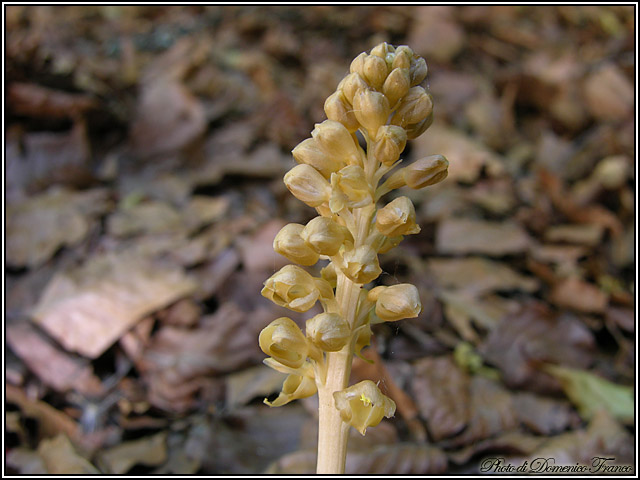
532	335
60	457
149	451
576	294
37	101
54	367
39	226
88	308
491	412
543	415
435	383
465	235
478	275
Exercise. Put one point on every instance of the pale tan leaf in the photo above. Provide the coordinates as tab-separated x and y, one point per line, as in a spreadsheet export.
87	309
60	457
465	235
150	451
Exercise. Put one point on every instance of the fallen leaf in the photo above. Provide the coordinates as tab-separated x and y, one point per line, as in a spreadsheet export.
243	386
149	451
257	251
436	34
51	422
543	415
151	217
608	92
38	101
478	276
60	457
168	117
576	294
54	367
590	393
465	235
39	226
88	308
512	442
436	381
491	411
532	335
589	234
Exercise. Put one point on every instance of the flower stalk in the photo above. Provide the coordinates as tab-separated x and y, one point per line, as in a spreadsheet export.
382	99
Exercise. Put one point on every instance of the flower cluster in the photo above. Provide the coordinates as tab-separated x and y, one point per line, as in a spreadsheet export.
381	98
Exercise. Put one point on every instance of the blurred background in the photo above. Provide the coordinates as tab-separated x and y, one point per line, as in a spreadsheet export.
145	149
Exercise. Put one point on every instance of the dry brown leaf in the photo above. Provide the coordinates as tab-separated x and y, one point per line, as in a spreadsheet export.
512	442
257	251
151	217
51	422
136	340
466	157
542	415
589	234
53	158
87	309
436	382
168	118
38	101
184	313
576	294
436	34
243	386
532	335
491	411
179	361
150	451
478	276
609	93
54	367
39	226
465	235
60	457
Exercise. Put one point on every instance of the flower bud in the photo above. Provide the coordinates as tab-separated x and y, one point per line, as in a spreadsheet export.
403	57
426	171
336	141
349	187
283	340
390	143
413	108
325	236
337	109
397	218
328	331
291	287
357	64
361	265
294	388
308	152
363	405
416	129
398	302
375	71
396	85
351	84
383	50
290	244
308	185
371	109
418	71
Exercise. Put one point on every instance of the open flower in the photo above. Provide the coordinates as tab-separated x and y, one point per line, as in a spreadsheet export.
350	188
363	405
397	218
361	264
295	387
292	287
283	340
